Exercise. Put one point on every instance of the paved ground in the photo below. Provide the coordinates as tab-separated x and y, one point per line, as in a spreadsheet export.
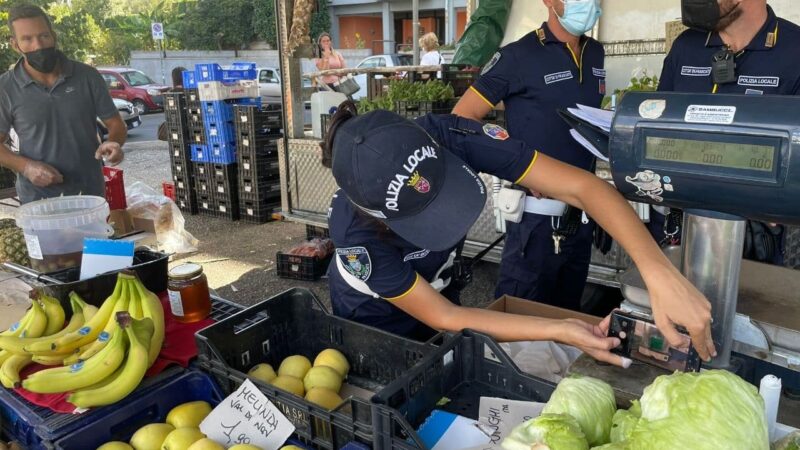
239	258
148	130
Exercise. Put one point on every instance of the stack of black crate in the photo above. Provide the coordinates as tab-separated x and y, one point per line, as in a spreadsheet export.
175	112
257	133
194	118
216	187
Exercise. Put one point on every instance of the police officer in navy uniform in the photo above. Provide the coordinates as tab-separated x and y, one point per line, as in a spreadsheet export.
554	67
733	47
409	193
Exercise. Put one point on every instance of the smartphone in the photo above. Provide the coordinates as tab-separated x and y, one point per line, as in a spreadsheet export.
641	340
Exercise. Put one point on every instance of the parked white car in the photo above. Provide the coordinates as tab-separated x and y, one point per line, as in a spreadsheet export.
269	84
389	60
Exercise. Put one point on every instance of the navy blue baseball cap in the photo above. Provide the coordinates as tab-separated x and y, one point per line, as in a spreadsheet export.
391	169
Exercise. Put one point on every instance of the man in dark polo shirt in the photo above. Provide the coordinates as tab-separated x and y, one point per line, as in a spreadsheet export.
52	104
762	50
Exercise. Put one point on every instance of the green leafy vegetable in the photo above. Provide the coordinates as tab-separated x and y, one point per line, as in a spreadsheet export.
590	401
700	411
624	422
548	431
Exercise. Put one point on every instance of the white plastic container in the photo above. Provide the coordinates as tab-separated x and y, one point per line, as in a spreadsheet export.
321	103
54	229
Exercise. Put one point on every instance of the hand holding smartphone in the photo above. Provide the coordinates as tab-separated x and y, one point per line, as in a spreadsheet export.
641	340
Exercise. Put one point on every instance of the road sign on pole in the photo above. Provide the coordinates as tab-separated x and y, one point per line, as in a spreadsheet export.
158	31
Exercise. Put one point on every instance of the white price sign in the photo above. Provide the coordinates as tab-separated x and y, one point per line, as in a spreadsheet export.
247	417
157	28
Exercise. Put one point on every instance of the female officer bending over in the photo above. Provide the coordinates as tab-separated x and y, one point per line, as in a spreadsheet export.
409	193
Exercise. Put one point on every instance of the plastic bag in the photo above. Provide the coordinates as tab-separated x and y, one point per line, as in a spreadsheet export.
317	248
484	33
146	203
544	359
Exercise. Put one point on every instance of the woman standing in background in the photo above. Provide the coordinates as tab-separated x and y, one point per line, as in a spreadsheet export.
328	59
430	44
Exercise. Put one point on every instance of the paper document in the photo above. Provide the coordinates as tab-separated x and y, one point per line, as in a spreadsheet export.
588	145
600	118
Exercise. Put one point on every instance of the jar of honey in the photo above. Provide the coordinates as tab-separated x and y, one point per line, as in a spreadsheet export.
188	293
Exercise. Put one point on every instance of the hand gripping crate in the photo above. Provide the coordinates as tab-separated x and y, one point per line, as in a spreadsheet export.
468	366
295	322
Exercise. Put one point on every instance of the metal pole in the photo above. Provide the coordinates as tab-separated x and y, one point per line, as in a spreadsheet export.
161	60
712	261
415	30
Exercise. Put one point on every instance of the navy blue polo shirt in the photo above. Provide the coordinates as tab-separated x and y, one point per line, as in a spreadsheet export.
768	65
390	266
537	75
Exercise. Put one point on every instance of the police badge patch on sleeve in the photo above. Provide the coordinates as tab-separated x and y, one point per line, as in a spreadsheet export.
491	63
495	131
356	261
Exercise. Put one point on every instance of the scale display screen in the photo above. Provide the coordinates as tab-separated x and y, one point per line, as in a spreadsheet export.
733	155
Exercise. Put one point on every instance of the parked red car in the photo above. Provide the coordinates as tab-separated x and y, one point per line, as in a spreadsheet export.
134	86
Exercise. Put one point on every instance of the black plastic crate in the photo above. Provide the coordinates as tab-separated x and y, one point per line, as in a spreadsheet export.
295	322
197	136
255	120
186	199
209	206
314	231
183	182
38	428
192	98
174	102
259	192
411	110
258	211
258	145
181	169
179	152
299	267
217	172
263	169
460	77
468	366
225	191
177	133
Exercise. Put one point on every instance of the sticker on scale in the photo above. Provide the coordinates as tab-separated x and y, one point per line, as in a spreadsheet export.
720	115
34	249
652	109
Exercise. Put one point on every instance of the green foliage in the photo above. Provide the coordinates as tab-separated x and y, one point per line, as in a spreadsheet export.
217	25
643	83
406	91
320	20
264	21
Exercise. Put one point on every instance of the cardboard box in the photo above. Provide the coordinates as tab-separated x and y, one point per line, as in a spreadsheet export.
523	307
122	222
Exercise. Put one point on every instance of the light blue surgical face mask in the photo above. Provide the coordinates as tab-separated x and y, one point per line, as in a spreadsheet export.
580	16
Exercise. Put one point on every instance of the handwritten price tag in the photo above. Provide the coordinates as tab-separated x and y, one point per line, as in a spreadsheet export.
247	417
501	415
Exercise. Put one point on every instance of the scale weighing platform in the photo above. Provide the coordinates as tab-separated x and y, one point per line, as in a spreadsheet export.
722	159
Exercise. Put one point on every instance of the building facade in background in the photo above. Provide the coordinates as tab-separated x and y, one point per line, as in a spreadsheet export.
384	26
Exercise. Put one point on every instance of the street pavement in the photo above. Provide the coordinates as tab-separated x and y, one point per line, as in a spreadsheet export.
148	130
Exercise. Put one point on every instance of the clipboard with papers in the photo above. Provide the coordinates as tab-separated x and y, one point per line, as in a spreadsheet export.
590	127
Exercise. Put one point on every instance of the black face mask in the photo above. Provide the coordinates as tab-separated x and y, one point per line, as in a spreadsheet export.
700	14
43	60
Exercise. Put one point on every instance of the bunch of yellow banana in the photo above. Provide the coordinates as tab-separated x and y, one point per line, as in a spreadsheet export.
93	347
44	318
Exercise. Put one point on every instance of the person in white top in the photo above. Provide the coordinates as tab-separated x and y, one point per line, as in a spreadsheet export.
431	56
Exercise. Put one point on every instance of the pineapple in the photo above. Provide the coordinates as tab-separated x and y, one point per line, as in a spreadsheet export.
12	246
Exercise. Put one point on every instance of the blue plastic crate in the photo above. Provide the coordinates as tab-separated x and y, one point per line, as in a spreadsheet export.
217	111
237	71
224	132
189	79
38	428
120	421
217	153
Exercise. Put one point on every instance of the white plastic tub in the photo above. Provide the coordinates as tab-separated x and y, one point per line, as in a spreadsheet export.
55	228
